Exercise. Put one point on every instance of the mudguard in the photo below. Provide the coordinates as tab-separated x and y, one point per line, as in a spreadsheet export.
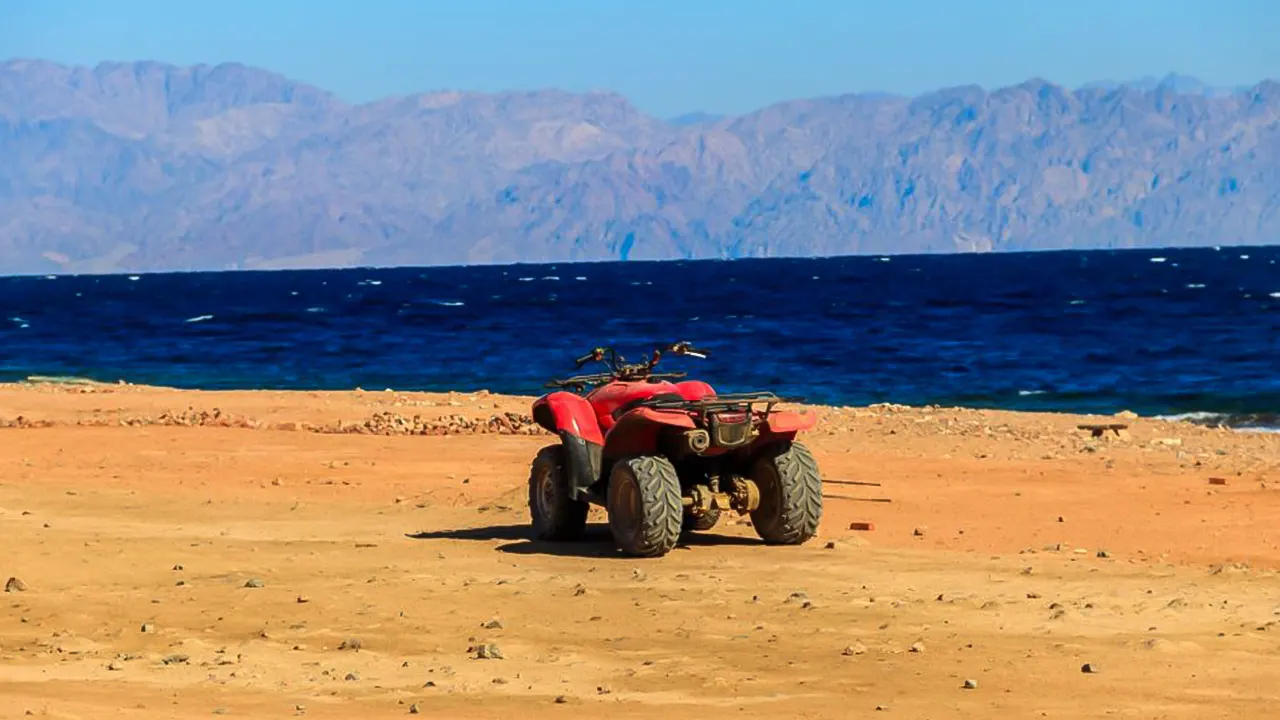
637	431
784	426
572	418
694	390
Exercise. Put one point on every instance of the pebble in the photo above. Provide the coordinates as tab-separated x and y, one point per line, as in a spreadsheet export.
970	684
175	659
15	585
147	628
797	597
254	583
916	648
488	651
493	624
918	532
413	709
350	644
1104	554
854	649
561	699
1088	668
352	676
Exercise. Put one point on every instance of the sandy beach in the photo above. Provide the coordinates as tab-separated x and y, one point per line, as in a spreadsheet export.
365	554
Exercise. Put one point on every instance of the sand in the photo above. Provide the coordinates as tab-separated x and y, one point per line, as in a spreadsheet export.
179	562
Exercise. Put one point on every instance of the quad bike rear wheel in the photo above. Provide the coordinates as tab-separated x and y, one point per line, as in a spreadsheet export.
702	522
790	494
645	509
556	514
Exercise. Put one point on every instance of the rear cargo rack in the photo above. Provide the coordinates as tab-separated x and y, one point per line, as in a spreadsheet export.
731	401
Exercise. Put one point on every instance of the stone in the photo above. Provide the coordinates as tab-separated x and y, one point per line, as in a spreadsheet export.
413	709
175	659
147	628
254	583
854	649
487	651
970	685
1104	554
918	532
492	624
15	585
352	677
350	644
1088	668
916	648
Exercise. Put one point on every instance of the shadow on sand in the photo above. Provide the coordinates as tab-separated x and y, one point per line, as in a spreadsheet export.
596	544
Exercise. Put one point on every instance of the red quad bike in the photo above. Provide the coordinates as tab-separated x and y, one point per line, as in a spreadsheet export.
664	457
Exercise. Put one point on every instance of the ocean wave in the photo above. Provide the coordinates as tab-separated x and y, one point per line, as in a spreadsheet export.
1251	422
1028	393
198	318
1158	259
448	303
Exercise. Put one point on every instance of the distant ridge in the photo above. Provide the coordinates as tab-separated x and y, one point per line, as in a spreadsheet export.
128	167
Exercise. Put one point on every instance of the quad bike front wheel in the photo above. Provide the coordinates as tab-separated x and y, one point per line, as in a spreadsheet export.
645	509
556	514
790	494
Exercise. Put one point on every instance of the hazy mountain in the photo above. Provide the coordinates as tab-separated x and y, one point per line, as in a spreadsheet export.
145	166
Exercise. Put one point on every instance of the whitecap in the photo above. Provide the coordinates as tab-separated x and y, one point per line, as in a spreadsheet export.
1076	302
1158	259
448	303
1244	257
580	277
815	277
1275	294
133	278
529	279
551	277
370	282
199	318
885	259
17	319
315	309
295	292
1195	286
50	277
23	325
1025	393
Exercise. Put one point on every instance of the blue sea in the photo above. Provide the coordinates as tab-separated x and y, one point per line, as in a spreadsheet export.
1169	332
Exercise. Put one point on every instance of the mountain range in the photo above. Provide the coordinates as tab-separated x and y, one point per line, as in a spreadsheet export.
144	166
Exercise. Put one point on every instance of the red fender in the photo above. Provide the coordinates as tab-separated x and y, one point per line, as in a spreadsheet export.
780	423
564	412
694	390
636	432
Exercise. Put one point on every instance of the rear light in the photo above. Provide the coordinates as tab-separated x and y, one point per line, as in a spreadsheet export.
731	418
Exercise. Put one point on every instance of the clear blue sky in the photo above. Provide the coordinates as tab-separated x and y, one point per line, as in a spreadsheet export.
668	57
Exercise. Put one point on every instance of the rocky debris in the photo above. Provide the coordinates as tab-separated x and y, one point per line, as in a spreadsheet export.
1104	554
917	648
350	644
492	624
175	659
854	649
918	532
15	585
970	685
351	677
147	628
561	699
390	423
114	666
254	583
413	709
